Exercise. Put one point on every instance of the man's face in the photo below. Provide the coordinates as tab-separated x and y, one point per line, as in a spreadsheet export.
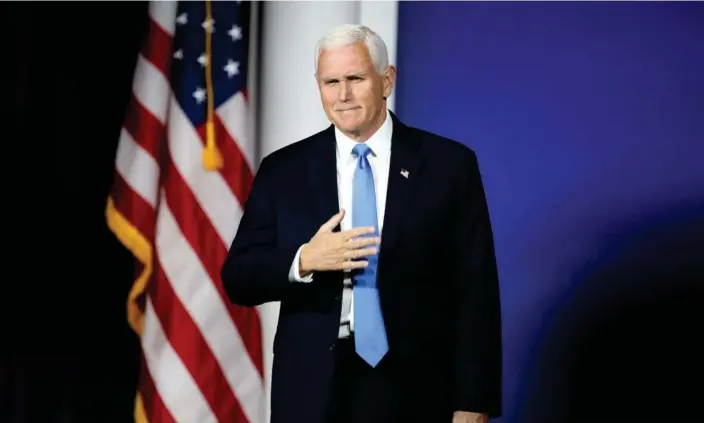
351	90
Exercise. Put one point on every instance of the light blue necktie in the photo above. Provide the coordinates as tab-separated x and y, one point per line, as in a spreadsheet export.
370	337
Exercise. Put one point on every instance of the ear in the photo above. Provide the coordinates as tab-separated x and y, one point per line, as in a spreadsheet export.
389	80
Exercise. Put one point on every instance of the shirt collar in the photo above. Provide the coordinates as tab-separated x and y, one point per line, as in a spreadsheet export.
379	142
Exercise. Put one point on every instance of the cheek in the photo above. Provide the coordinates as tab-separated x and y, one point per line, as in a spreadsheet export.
365	95
327	96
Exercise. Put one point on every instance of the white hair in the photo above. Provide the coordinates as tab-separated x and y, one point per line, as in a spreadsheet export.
345	35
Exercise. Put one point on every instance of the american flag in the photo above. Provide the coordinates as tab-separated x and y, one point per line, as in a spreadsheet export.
184	167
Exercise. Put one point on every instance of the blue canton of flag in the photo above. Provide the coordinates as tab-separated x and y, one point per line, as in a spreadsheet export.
228	26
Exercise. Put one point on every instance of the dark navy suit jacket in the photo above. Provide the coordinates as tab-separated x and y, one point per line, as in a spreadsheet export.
437	276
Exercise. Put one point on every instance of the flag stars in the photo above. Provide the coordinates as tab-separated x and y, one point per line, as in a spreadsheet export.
199	95
232	68
209	25
182	19
178	54
203	59
235	33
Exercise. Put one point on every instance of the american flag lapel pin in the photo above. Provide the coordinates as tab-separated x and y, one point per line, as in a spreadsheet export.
404	173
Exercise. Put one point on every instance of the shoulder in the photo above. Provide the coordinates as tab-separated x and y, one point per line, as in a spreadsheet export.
446	151
298	149
293	154
449	161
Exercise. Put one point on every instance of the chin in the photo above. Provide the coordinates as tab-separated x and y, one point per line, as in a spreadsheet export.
347	125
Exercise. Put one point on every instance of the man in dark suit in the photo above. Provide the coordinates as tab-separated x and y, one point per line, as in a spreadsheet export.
375	237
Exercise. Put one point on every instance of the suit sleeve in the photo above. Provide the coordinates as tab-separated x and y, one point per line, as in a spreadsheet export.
255	270
478	351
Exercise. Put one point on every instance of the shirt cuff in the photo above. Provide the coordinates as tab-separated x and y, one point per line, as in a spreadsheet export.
293	274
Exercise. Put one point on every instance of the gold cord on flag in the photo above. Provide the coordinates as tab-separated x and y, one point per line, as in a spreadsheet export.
212	159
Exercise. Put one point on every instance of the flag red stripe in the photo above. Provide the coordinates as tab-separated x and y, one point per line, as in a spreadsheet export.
235	170
144	127
157	49
203	238
133	207
154	408
192	348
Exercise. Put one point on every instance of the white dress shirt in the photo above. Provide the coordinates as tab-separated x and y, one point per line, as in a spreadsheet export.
379	160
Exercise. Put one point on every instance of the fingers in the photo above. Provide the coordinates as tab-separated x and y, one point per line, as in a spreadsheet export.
353	254
363	242
358	264
355	232
334	221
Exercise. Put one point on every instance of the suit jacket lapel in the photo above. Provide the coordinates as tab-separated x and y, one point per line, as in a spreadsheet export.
323	198
322	177
404	173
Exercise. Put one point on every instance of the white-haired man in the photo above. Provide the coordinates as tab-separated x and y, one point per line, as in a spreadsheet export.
375	236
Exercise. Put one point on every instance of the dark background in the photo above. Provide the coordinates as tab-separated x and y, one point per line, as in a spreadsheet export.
68	354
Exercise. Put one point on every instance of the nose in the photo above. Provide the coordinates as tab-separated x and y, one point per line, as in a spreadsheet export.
344	91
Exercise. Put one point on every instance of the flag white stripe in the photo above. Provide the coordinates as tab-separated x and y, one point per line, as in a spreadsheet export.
234	115
210	189
164	14
137	167
151	88
174	383
194	288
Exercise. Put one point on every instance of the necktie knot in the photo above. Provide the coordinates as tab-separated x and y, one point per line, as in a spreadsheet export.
361	150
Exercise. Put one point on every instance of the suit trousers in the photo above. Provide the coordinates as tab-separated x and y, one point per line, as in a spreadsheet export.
361	393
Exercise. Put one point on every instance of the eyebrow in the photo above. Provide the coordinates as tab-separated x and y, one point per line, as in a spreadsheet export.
350	76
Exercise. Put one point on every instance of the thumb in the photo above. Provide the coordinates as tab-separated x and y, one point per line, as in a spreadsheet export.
334	221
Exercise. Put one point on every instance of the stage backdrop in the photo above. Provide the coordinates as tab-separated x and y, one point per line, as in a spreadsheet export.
588	122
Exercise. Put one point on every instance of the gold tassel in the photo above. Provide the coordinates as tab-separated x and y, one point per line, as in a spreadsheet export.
212	159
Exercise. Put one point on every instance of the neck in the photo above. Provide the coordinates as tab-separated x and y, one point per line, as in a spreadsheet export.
363	136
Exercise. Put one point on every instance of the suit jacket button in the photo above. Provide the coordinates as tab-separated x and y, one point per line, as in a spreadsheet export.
338	297
332	347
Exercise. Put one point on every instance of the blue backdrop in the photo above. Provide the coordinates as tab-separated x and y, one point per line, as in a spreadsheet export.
588	122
